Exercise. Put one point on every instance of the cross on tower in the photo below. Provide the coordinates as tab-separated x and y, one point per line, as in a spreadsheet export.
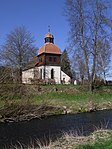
48	28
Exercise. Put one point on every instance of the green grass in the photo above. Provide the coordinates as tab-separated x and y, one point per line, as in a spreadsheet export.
63	96
73	97
76	102
105	144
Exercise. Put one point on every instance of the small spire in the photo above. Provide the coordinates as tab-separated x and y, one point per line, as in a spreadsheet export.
48	28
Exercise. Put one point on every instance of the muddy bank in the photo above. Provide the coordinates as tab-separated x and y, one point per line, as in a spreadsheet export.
25	111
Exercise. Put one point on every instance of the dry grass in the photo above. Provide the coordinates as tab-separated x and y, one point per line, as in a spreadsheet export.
75	98
27	110
72	141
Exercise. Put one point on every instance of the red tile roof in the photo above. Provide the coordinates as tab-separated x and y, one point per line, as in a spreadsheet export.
49	48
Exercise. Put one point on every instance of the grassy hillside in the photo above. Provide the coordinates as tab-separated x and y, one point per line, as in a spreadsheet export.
17	101
60	94
68	98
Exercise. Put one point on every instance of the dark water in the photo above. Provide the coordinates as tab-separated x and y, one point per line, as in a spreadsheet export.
52	127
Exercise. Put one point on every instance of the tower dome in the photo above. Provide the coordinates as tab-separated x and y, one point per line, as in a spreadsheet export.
49	35
49	38
49	46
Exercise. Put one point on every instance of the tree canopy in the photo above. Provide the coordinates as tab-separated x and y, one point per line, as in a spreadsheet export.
90	36
18	49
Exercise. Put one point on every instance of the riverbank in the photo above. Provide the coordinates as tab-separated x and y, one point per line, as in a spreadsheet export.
19	103
26	110
99	139
24	103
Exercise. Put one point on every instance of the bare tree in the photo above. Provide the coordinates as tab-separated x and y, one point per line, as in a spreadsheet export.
80	68
5	74
88	26
103	58
18	49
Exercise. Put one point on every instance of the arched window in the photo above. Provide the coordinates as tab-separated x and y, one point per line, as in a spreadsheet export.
52	73
40	73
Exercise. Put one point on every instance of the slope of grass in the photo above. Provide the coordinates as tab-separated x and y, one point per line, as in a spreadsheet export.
73	98
106	144
100	139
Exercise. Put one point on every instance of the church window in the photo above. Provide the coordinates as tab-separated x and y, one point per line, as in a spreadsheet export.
54	59
52	73
50	59
40	73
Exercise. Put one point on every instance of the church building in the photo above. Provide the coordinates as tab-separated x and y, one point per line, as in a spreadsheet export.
46	65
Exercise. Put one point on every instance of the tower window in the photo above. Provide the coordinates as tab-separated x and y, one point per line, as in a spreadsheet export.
47	40
54	59
50	59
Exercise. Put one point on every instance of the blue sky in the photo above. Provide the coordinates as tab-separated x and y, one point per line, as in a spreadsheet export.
35	15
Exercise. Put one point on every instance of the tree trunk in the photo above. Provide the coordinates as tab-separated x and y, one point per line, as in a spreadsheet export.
20	75
91	86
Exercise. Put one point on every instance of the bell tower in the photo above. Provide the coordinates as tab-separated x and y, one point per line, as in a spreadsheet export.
49	38
49	56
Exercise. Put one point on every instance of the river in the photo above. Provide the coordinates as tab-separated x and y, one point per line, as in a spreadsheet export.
52	127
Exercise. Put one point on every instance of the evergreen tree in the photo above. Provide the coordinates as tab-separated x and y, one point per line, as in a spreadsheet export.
65	63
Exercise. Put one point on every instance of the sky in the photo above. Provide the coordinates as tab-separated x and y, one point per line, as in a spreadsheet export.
36	16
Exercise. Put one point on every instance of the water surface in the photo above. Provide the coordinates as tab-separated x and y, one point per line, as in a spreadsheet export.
53	127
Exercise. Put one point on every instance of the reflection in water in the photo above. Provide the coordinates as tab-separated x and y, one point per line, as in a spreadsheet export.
53	127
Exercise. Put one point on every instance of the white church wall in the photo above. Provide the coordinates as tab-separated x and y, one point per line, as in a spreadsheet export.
27	75
65	78
47	69
41	70
57	73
